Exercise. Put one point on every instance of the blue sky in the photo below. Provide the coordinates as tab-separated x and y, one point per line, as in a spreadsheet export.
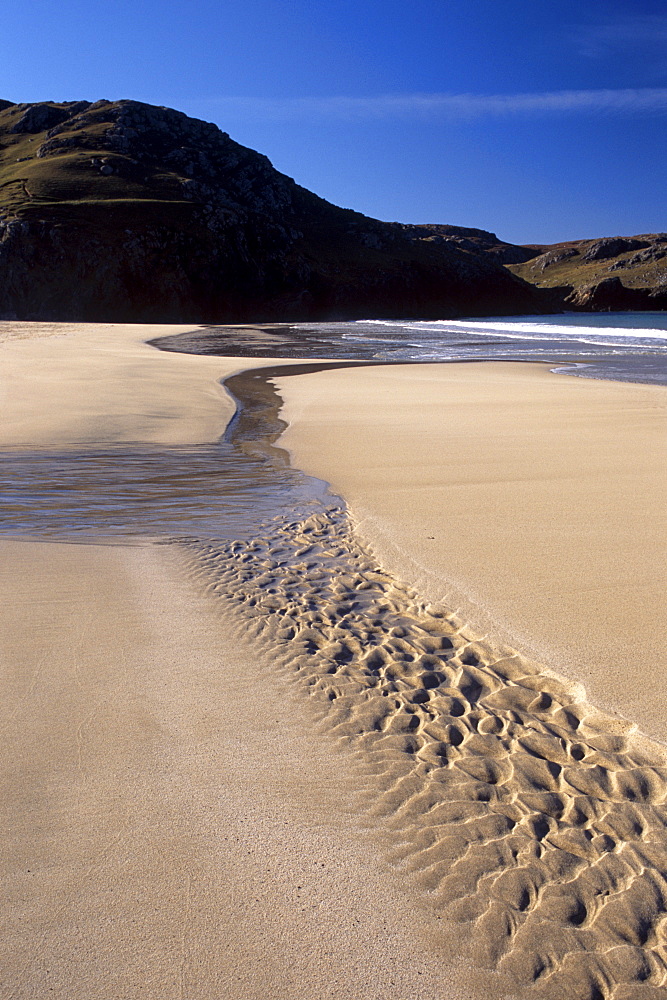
540	120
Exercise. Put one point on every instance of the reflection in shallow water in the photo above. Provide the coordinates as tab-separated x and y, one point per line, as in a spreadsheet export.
210	492
230	489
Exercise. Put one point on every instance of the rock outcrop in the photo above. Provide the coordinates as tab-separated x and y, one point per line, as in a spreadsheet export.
473	240
125	211
615	273
612	295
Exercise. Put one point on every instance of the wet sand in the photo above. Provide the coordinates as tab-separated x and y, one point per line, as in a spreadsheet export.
533	504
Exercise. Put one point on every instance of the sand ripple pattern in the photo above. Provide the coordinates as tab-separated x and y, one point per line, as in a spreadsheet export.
520	810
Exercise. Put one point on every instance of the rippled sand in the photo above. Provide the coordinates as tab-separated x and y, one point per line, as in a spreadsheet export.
509	802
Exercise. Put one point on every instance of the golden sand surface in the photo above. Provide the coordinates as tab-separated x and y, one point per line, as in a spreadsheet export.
270	767
532	504
70	385
172	826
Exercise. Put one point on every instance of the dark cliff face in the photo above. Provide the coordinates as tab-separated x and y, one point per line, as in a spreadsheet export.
124	211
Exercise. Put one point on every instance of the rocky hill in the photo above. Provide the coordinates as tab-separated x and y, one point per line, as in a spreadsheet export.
612	273
615	273
477	241
125	211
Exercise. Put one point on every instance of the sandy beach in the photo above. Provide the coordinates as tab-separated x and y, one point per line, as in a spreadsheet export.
173	825
533	504
330	761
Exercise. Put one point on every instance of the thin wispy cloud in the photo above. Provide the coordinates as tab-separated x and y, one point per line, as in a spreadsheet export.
605	37
452	106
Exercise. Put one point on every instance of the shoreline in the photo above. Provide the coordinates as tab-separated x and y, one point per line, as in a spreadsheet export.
390	341
164	419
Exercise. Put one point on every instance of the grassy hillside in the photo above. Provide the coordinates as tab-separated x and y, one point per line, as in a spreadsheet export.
603	268
76	166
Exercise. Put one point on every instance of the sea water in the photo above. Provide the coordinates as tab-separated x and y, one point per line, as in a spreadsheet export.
628	347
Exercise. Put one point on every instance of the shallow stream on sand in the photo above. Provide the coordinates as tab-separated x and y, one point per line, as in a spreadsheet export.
231	489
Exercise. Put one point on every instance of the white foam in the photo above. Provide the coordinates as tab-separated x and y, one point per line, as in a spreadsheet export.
523	330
